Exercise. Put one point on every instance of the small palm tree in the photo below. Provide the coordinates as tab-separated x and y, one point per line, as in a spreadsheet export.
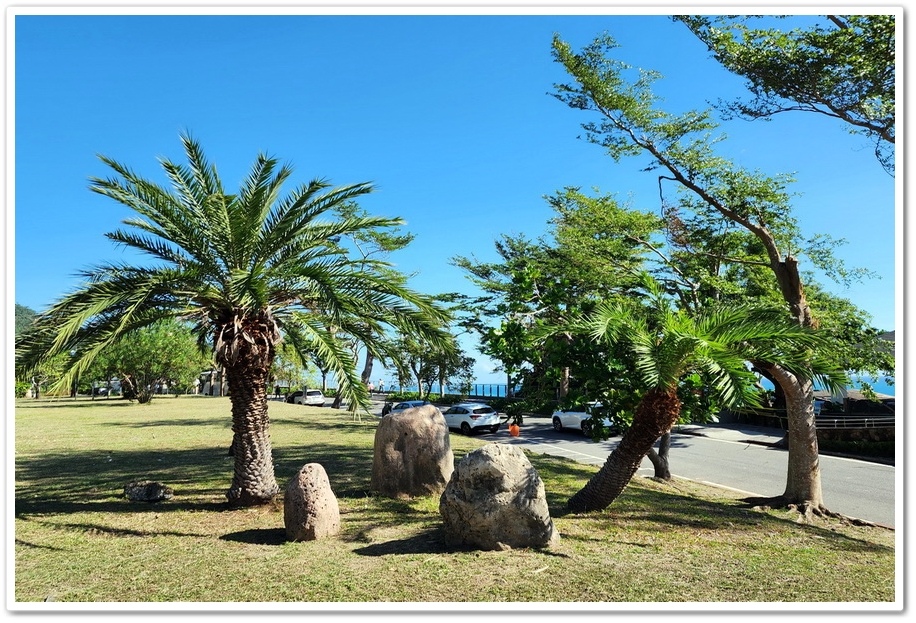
671	344
241	269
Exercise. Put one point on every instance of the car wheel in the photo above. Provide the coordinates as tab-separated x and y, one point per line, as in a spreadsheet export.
465	428
493	429
557	425
587	429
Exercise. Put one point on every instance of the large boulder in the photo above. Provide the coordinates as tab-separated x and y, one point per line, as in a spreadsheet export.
495	500
310	509
413	456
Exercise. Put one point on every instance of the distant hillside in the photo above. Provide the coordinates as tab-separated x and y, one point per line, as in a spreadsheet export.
24	317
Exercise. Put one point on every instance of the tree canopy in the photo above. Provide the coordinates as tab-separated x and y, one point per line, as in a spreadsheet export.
843	69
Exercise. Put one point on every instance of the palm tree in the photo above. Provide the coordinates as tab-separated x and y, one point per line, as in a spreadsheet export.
717	344
242	269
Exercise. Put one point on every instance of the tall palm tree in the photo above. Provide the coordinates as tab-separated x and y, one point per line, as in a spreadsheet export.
241	268
718	344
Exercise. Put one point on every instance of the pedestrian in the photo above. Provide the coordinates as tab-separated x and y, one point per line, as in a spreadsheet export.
371	388
381	386
277	392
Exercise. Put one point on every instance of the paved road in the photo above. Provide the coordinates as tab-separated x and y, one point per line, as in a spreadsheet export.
733	458
860	489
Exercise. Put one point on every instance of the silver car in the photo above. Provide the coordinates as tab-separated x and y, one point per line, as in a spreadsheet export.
470	417
579	419
397	407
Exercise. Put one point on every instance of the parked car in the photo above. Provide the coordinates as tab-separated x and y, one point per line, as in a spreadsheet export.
470	417
311	397
579	419
397	407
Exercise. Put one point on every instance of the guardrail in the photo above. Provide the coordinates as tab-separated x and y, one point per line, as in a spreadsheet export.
825	420
854	421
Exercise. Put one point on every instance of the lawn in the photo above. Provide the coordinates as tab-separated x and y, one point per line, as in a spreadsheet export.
77	539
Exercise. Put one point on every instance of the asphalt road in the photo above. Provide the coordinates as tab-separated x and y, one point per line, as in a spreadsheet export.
855	488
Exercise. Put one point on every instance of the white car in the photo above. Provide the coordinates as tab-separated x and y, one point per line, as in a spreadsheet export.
578	419
311	397
470	417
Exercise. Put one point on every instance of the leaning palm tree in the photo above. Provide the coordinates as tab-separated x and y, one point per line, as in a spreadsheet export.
670	344
242	269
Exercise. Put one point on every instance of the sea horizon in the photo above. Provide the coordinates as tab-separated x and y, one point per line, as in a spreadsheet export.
498	390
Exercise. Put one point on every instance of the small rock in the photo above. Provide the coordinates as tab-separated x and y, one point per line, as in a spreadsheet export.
310	509
147	491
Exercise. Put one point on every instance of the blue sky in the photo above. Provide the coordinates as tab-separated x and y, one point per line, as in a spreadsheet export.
449	115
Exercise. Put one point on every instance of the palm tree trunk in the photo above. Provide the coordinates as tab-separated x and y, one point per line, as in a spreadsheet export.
253	480
660	459
655	414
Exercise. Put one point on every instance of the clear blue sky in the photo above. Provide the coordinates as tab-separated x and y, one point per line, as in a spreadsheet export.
448	115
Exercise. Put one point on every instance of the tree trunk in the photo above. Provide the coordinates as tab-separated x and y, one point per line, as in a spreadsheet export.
367	369
655	414
803	478
253	480
660	459
564	382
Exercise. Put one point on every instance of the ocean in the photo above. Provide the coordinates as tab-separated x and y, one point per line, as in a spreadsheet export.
879	386
498	390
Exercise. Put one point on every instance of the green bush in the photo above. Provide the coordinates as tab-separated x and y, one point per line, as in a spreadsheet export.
22	388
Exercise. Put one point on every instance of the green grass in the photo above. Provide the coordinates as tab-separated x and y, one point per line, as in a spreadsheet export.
77	539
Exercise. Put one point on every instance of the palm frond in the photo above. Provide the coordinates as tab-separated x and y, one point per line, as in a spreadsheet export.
307	332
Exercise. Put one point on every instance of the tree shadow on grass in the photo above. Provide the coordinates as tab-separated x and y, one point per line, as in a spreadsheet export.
221	422
73	481
429	541
262	536
349	469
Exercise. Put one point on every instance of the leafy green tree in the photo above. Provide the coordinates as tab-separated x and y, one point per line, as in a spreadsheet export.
289	369
532	286
424	364
378	243
151	359
47	376
454	367
717	343
844	69
715	190
595	247
241	268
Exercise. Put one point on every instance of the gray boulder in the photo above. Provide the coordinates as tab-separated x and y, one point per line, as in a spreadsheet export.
495	500
310	509
413	456
147	491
